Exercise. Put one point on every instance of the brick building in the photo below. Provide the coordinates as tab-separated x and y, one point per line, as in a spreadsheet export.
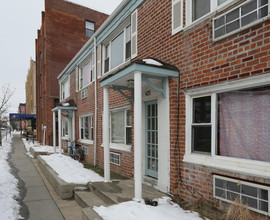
30	93
65	28
175	94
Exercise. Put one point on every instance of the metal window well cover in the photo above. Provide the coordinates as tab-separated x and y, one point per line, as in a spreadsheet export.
18	117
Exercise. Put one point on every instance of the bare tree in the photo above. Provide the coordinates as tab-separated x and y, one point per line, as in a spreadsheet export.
5	95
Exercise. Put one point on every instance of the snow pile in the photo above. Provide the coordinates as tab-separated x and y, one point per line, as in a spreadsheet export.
9	207
166	210
152	62
71	171
37	147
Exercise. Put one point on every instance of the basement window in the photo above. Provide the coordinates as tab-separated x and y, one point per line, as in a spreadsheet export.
115	158
254	196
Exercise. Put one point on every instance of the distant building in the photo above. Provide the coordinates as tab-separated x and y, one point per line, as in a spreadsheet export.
30	92
65	29
21	110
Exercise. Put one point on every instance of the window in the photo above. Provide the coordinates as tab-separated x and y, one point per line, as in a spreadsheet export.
86	127
65	89
65	127
196	9
118	50
86	75
238	118
255	196
85	150
89	28
115	158
177	15
240	17
121	127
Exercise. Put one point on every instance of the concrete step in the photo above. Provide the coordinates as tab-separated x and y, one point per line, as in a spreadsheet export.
99	188
88	199
89	214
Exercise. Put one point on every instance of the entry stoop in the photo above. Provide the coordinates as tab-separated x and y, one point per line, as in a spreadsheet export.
106	194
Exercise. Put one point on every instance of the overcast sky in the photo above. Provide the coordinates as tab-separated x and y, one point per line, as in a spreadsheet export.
19	22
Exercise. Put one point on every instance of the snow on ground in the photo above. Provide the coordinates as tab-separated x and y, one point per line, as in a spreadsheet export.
71	170
37	147
9	207
166	210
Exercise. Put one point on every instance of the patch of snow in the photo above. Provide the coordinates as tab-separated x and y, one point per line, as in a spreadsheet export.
9	206
152	62
70	170
166	210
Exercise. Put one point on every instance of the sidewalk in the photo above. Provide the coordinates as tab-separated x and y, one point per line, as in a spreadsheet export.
35	200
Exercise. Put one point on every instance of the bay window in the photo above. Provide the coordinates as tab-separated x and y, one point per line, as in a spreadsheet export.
86	128
120	129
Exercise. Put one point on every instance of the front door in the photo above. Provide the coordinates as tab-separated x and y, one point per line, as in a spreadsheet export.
151	146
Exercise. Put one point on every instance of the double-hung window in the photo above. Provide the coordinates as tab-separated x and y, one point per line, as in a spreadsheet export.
118	50
89	28
86	128
121	127
233	123
86	75
196	9
65	90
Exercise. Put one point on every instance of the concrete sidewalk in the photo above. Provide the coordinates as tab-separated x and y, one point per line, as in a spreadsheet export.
35	200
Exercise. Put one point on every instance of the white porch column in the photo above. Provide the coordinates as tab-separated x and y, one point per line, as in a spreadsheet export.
54	133
106	130
59	130
138	135
73	127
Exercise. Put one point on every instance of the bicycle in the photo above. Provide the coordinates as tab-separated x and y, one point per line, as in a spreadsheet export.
76	151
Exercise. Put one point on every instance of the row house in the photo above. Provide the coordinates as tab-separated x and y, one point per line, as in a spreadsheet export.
65	28
176	94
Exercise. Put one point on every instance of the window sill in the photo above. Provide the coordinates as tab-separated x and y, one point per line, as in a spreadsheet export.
86	141
65	138
243	166
120	147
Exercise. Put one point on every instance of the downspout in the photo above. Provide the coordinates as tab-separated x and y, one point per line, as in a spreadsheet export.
95	72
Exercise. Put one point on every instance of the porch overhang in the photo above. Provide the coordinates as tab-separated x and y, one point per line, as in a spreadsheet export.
121	77
64	108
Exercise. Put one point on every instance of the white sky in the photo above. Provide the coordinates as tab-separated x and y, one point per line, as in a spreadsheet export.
19	22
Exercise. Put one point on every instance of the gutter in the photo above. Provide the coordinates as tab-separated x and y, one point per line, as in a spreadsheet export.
96	106
94	36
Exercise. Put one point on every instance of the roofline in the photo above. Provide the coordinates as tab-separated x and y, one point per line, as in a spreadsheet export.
101	28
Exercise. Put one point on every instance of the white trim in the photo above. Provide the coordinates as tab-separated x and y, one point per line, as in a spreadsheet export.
134	34
84	141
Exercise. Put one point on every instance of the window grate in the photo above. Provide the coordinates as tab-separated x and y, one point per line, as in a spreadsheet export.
115	158
240	17
254	196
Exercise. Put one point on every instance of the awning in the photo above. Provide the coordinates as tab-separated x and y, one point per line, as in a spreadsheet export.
21	117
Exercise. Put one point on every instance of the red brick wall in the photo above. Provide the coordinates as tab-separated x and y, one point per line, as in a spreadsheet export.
201	62
61	36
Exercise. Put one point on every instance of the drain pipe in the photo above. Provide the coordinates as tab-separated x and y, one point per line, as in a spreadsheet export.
95	72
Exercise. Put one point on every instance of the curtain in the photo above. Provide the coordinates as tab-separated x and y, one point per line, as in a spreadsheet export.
244	124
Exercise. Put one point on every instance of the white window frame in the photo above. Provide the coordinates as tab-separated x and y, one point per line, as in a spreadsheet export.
80	73
65	82
179	28
244	183
117	146
244	166
85	150
91	140
86	22
241	28
116	154
123	30
213	8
